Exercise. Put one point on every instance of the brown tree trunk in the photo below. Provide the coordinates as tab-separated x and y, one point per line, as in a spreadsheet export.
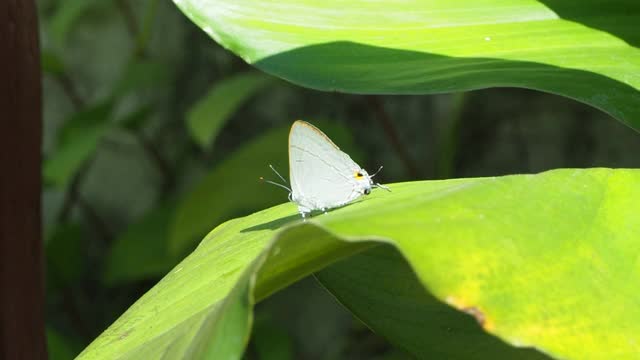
22	333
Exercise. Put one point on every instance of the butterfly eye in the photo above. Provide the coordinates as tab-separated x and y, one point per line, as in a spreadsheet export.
367	191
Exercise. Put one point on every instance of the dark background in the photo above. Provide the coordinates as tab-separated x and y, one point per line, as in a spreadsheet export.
145	57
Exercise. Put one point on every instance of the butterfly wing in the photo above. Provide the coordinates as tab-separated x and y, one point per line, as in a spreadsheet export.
321	175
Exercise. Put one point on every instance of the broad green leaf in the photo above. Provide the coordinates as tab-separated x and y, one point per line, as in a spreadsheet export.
206	300
382	290
209	114
141	252
77	142
587	51
547	260
234	187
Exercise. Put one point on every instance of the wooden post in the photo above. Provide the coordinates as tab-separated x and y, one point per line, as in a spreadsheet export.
22	334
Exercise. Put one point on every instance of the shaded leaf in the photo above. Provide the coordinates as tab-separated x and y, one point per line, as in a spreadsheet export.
77	142
51	63
271	341
60	347
66	16
136	119
141	251
207	116
64	250
139	75
381	289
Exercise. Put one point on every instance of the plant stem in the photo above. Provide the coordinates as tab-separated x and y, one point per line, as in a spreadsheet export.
521	144
158	159
71	307
392	135
73	197
147	21
97	222
69	88
129	17
448	149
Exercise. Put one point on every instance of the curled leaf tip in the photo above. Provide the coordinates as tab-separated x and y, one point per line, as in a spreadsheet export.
477	314
475	311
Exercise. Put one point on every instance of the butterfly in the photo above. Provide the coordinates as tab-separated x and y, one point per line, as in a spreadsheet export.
321	175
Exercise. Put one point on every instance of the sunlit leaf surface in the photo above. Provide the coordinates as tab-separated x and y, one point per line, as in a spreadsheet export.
547	261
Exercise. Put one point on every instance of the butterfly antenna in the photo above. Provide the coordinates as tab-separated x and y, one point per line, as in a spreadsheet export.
277	173
275	183
376	173
381	187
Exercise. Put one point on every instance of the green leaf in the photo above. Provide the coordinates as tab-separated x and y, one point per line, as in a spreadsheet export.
141	251
65	255
136	119
140	75
586	51
81	133
78	140
61	347
213	200
271	341
210	113
66	16
51	63
547	260
381	289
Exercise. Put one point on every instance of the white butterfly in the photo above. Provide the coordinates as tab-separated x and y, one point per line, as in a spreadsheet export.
322	176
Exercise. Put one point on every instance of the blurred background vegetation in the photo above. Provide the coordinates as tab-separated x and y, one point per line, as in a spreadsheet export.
154	134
